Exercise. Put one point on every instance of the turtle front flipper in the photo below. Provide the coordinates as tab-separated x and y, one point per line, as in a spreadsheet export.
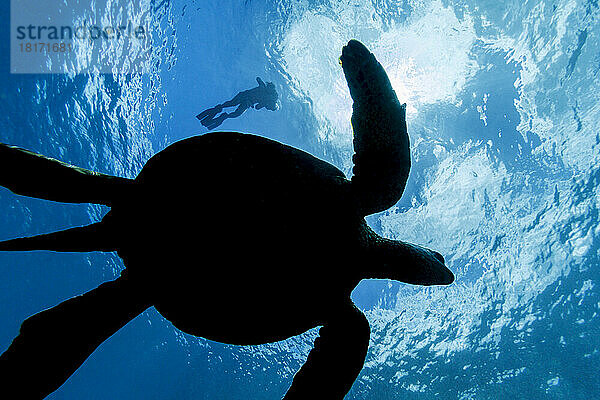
29	174
381	146
336	359
52	344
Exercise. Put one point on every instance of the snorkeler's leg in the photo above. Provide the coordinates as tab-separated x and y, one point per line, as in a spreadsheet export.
238	111
29	174
215	122
231	103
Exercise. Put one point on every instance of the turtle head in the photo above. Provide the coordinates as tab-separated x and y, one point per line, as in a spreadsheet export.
405	262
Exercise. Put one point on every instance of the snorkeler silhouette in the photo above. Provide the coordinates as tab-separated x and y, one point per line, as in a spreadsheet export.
262	96
232	237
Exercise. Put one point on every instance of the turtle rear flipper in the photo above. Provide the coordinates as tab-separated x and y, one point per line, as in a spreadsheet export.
29	174
382	153
94	237
53	343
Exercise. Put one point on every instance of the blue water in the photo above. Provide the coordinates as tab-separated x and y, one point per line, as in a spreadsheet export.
503	115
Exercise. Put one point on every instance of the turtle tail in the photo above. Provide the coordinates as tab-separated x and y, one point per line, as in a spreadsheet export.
94	237
29	174
54	343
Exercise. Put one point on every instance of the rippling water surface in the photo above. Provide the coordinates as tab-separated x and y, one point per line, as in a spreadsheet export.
503	116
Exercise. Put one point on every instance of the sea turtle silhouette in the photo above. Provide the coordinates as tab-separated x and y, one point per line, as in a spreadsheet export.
231	237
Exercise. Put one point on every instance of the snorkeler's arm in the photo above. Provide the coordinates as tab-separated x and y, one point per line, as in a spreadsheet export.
260	81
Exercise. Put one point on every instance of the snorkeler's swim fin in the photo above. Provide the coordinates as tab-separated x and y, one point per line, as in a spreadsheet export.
215	122
209	113
29	174
54	343
94	237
